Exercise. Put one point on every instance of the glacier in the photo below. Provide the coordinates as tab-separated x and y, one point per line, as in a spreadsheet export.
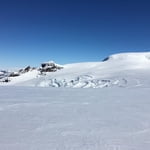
96	106
118	70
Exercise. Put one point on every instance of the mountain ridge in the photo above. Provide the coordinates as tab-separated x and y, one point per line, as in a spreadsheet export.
122	70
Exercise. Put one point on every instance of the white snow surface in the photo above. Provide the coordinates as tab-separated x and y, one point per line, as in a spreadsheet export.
125	69
33	118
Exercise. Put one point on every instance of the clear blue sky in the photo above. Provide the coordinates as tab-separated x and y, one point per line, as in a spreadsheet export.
66	31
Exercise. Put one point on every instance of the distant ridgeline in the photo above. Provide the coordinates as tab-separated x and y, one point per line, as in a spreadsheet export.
121	70
45	67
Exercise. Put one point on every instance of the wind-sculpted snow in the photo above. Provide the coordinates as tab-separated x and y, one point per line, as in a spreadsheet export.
121	70
84	81
113	118
34	118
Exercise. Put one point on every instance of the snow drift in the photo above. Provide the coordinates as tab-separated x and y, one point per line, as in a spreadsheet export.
123	70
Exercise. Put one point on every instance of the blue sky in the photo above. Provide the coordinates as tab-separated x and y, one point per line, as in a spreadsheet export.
67	31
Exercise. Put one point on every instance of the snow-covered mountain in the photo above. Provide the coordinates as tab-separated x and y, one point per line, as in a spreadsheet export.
123	70
33	118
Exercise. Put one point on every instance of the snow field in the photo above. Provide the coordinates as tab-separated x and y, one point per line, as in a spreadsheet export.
74	119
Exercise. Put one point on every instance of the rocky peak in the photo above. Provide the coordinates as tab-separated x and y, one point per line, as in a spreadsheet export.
50	66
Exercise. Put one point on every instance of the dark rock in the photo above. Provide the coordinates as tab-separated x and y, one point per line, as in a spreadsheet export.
14	74
27	69
6	80
105	59
49	67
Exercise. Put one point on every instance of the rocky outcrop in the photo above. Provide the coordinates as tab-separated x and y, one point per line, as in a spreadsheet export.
49	67
14	74
3	74
27	69
6	76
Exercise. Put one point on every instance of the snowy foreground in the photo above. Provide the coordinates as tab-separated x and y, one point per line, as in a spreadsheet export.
74	119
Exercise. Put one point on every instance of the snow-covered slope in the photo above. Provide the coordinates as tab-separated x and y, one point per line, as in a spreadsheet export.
126	69
34	118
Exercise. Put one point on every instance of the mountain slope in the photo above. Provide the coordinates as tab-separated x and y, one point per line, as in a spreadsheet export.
123	70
